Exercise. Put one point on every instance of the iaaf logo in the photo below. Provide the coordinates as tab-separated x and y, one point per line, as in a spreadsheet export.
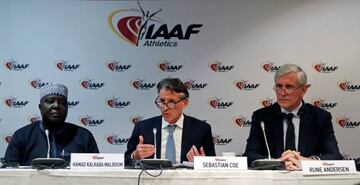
7	138
89	121
14	103
328	164
96	157
115	66
90	85
243	85
142	27
346	86
115	103
269	67
192	85
141	85
345	122
218	67
12	65
72	104
167	67
135	119
221	141
37	83
216	103
265	102
115	140
34	118
63	65
321	103
241	121
322	68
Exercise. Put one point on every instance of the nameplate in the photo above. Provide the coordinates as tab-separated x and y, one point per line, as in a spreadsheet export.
97	161
220	163
328	167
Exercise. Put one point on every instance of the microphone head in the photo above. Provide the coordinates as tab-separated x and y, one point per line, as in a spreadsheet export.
46	131
154	130
262	125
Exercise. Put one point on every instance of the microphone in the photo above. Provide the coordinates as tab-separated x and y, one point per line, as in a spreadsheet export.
267	163
155	143
266	142
46	163
48	143
154	163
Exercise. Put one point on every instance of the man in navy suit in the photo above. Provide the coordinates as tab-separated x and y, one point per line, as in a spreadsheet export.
295	130
189	137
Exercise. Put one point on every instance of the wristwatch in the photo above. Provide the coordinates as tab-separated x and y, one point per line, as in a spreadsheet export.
314	157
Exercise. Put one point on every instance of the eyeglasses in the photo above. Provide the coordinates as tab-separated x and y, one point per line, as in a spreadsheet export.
169	104
287	88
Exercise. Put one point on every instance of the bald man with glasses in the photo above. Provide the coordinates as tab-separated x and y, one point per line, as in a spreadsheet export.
295	130
179	137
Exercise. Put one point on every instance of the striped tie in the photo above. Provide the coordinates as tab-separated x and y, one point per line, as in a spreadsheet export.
170	145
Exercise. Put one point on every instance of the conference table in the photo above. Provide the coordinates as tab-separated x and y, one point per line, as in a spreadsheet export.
167	177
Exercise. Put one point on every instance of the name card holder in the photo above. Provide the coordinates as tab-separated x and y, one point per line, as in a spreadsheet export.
220	163
90	161
329	167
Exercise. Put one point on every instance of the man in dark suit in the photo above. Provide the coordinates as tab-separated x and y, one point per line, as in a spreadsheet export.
178	137
295	130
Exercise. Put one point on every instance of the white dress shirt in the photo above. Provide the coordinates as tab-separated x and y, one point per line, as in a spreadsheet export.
296	122
177	137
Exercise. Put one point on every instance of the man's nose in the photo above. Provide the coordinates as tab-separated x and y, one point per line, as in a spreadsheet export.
56	104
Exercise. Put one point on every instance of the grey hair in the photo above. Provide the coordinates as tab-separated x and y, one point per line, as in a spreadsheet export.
292	68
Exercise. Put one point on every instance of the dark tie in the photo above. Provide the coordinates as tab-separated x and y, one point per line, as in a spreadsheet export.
170	145
290	132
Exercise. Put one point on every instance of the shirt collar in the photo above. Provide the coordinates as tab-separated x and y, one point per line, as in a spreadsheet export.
179	122
295	111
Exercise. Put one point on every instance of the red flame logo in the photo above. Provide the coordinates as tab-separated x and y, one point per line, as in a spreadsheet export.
240	84
9	65
85	84
8	139
318	67
214	67
60	65
111	66
239	121
342	122
267	67
9	102
163	66
136	84
111	103
213	103
343	85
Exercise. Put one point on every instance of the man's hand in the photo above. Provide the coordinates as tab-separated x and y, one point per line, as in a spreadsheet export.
292	160
194	152
143	150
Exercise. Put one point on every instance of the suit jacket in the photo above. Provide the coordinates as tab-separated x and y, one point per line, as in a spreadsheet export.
195	132
316	134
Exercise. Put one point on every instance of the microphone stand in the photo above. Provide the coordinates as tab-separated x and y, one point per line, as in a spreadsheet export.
48	163
267	163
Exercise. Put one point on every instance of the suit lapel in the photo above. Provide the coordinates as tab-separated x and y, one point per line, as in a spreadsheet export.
304	128
158	123
186	138
276	134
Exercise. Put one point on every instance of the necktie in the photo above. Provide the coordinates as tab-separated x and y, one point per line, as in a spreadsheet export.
290	133
170	145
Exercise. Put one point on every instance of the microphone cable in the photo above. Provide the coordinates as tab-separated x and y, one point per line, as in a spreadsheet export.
144	169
